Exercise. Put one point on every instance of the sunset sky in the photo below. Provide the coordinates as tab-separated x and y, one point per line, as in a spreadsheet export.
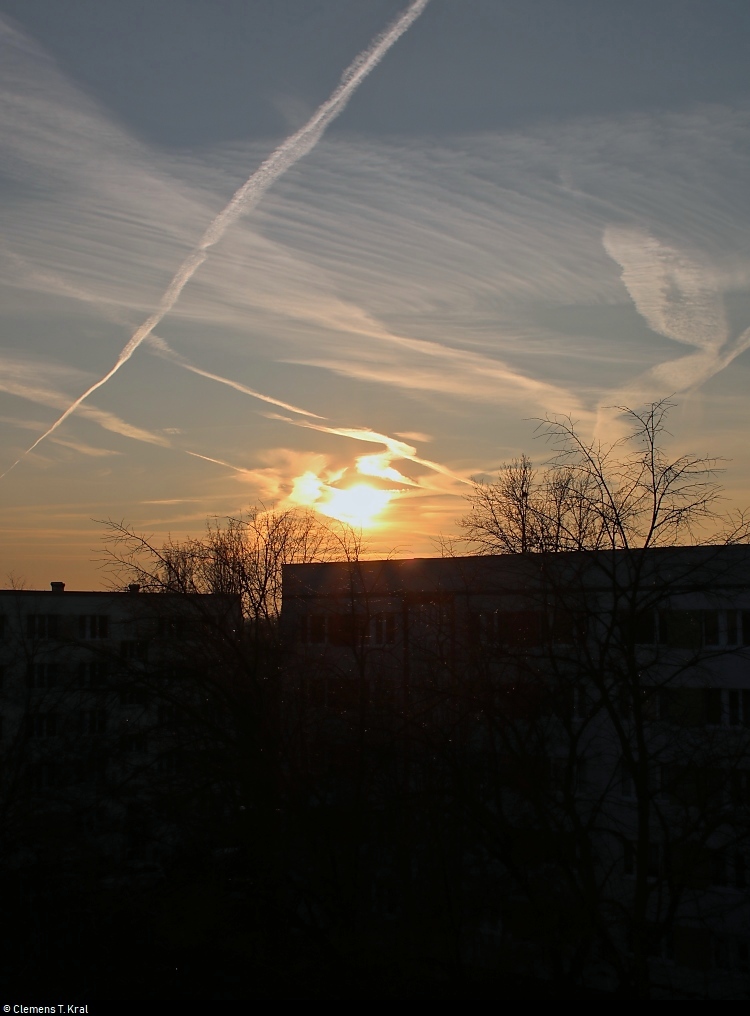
527	207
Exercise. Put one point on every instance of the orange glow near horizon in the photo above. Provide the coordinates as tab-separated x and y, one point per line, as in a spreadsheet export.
358	505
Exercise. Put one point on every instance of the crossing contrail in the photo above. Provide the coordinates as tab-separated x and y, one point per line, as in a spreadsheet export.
247	196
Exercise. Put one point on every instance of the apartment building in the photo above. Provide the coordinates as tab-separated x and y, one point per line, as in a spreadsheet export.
96	690
584	719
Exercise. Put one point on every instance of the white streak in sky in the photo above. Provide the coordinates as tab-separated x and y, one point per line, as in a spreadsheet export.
396	449
248	195
680	299
161	348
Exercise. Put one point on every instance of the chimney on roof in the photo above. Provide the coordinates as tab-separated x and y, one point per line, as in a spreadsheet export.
134	587
57	587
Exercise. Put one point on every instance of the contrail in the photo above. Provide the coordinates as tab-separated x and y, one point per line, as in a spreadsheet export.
162	349
247	196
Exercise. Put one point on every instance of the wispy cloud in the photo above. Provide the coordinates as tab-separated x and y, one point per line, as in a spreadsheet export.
680	298
248	195
31	380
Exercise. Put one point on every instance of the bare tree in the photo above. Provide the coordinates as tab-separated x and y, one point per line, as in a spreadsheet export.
613	755
592	495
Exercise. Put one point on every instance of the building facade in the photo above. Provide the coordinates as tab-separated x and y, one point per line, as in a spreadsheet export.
582	723
97	689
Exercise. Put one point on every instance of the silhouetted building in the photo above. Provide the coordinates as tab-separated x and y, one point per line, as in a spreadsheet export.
97	689
583	719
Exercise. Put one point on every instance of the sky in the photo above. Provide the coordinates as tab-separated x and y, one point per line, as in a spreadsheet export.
516	209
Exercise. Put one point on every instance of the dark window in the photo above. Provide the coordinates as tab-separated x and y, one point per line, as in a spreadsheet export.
42	675
520	628
732	633
740	787
712	705
43	725
134	742
745	627
734	707
93	626
171	627
169	763
628	861
384	629
42	626
484	626
342	694
627	787
681	629
644	627
133	696
92	721
92	674
316	629
711	627
169	715
134	651
653	860
718	865
740	871
568	628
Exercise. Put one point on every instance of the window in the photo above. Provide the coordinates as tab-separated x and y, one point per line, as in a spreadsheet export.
133	743
567	628
133	651
334	629
520	628
171	627
44	776
712	705
42	725
92	721
740	787
744	639
92	675
628	860
169	715
314	629
644	627
654	860
133	696
93	626
711	627
42	675
681	629
170	763
42	626
718	867
728	707
384	629
627	787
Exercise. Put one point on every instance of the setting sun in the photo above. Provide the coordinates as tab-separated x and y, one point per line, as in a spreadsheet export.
358	505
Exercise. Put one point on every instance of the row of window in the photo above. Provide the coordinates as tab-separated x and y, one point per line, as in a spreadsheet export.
693	707
94	721
677	629
45	776
699	866
90	674
694	786
348	629
343	694
692	629
92	626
